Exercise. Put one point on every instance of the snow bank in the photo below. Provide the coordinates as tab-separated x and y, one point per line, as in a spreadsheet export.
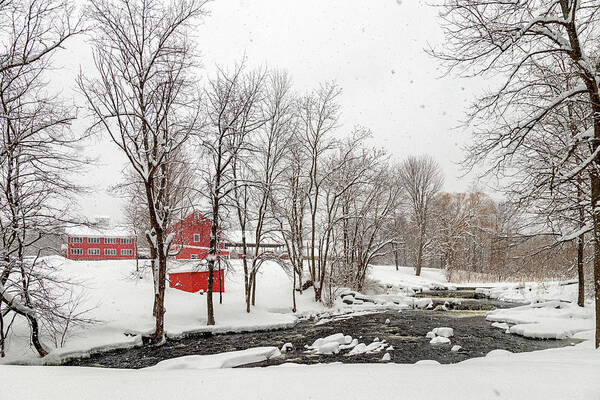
566	373
405	280
123	306
528	292
222	360
547	320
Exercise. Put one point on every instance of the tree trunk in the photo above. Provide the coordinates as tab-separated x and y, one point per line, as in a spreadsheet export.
2	338
254	287
580	274
293	291
159	299
419	258
595	182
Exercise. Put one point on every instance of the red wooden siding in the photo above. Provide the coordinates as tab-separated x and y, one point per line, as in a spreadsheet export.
196	281
194	226
85	247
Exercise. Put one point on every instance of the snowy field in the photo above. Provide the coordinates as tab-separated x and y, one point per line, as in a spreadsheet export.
122	305
569	373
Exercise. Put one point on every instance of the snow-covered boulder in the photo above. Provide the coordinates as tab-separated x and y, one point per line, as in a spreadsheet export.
427	362
439	340
358	349
287	347
422	303
328	348
386	357
338	338
351	345
456	348
444	331
430	335
222	360
499	353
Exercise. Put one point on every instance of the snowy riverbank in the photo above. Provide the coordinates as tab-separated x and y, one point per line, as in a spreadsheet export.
568	373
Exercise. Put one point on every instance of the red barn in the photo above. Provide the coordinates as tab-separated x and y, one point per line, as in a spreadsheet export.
192	238
86	243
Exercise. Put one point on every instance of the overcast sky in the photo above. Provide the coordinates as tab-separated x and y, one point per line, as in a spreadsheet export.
374	49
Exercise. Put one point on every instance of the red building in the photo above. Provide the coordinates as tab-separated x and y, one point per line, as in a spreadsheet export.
85	243
192	238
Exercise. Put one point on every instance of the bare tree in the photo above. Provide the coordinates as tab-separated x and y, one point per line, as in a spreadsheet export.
421	179
36	149
232	105
289	205
256	174
144	99
178	189
367	217
514	39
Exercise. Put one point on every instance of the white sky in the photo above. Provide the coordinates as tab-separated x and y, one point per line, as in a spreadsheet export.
374	49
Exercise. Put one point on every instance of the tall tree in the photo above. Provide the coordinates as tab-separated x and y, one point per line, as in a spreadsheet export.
257	172
232	107
514	39
421	180
143	98
36	148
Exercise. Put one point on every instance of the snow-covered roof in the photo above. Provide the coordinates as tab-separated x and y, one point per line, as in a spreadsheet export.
88	231
271	238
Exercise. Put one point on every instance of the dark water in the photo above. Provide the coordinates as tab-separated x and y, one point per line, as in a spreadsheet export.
405	332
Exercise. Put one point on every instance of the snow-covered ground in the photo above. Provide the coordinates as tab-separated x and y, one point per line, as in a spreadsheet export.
567	373
123	305
406	280
430	279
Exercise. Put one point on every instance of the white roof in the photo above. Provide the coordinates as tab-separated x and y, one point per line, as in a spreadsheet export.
271	238
88	231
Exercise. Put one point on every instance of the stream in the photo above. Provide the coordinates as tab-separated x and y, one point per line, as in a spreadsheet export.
405	331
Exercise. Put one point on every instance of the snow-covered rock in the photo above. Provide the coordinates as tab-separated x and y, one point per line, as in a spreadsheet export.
351	345
422	303
427	362
430	335
456	348
444	331
387	321
287	347
328	348
500	325
338	338
386	357
358	349
439	340
546	320
499	353
222	360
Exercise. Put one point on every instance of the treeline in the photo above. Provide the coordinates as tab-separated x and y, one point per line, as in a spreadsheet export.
476	238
